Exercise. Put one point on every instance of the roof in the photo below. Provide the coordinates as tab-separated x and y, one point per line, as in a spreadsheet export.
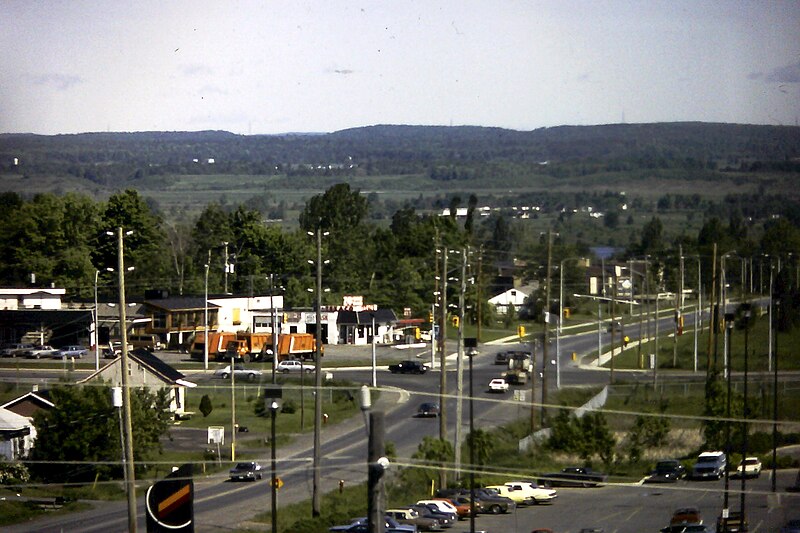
29	402
181	303
11	421
155	365
381	316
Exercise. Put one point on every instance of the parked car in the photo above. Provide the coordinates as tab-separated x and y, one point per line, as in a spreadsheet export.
408	367
709	465
666	471
412	516
428	410
359	525
15	349
441	504
38	352
498	385
245	471
573	476
685	516
291	365
71	351
491	502
239	372
749	467
519	497
431	511
540	494
462	505
501	358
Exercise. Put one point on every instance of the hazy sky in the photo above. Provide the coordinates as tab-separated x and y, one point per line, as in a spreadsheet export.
271	67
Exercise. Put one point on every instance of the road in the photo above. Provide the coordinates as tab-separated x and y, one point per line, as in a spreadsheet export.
221	504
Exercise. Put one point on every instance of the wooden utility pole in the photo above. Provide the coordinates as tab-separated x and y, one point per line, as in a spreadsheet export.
546	316
479	292
442	362
713	317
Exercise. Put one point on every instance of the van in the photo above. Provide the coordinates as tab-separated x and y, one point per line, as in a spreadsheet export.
148	342
710	465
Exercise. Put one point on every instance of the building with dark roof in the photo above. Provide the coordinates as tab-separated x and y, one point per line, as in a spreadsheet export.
146	370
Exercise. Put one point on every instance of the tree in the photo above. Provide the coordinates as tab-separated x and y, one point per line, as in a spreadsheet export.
205	405
339	208
78	441
144	247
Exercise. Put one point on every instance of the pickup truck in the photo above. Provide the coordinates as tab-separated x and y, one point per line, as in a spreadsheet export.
239	372
573	476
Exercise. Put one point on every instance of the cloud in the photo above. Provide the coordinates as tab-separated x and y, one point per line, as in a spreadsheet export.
62	82
344	71
785	74
195	70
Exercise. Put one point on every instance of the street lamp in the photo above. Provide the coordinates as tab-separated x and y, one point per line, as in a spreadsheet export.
316	496
273	409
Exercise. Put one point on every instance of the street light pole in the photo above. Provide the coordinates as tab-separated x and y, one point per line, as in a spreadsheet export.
273	409
316	496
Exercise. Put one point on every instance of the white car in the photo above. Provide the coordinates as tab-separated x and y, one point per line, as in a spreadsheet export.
750	467
498	385
41	351
538	494
294	366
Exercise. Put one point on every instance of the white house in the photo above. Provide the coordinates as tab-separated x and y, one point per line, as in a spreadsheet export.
511	297
16	435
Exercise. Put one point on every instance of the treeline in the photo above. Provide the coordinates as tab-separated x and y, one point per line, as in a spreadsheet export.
63	241
443	153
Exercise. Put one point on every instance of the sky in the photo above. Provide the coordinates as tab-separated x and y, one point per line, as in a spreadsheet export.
266	67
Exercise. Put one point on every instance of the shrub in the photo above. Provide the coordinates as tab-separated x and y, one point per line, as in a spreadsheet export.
205	405
12	473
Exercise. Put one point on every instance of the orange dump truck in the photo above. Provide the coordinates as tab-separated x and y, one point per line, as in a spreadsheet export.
253	346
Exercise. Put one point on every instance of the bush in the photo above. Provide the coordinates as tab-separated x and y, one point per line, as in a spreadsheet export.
205	405
13	473
288	407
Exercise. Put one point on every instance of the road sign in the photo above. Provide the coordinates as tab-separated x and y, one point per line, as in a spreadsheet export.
278	482
170	503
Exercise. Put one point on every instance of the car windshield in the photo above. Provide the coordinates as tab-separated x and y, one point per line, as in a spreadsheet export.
243	466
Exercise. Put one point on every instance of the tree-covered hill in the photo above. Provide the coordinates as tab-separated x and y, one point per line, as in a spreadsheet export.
460	152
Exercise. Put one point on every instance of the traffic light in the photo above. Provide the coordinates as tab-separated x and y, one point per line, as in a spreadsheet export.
521	331
416	333
430	318
455	321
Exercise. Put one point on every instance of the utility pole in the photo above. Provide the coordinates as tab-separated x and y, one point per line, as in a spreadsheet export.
613	311
479	292
546	336
205	315
376	465
459	364
678	307
126	390
442	361
225	244
233	407
713	316
275	329
316	496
